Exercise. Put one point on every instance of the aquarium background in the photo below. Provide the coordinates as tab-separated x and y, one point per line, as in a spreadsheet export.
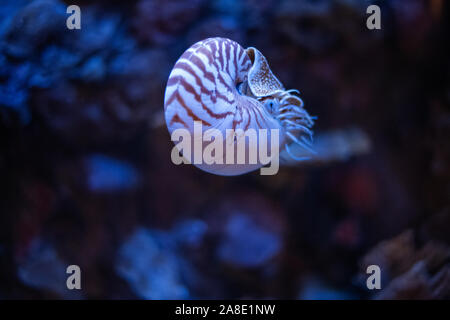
86	176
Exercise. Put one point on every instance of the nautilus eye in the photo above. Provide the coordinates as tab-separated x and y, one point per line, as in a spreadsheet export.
228	112
272	105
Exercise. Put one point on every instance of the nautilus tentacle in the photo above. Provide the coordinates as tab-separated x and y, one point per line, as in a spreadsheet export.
222	86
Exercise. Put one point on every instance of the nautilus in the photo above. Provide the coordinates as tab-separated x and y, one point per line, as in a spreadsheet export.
225	88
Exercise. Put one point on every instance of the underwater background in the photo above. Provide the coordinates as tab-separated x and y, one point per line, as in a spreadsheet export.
86	176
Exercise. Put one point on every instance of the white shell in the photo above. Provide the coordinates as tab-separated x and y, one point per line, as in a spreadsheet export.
203	87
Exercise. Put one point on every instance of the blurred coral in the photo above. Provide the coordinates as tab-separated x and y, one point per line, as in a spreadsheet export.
411	271
150	267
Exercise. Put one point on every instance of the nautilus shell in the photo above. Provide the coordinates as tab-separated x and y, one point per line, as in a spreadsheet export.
222	86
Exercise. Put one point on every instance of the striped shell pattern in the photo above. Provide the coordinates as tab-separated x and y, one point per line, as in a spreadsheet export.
224	86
